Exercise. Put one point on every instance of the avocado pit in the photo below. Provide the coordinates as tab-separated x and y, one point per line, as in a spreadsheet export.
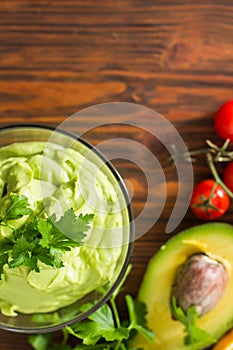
200	282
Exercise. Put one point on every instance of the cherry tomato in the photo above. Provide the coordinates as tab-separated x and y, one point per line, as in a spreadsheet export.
223	121
209	201
228	176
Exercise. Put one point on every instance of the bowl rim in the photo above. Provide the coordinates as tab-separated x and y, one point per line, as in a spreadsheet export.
116	174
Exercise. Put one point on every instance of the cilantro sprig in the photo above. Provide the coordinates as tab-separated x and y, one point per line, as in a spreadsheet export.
195	336
103	329
39	239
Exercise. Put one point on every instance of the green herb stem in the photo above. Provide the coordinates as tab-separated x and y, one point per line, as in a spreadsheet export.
117	347
123	346
117	320
115	312
65	336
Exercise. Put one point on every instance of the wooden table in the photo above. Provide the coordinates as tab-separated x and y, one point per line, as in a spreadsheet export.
58	57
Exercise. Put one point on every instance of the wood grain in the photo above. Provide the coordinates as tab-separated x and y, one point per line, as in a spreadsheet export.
58	57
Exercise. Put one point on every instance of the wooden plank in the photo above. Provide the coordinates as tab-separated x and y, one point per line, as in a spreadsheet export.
57	57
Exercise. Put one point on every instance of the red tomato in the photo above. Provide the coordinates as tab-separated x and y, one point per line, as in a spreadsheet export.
228	176
223	121
209	201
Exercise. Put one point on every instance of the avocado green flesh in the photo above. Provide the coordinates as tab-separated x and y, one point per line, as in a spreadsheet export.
213	239
55	179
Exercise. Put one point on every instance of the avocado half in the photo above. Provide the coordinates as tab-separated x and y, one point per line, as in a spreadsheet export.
212	239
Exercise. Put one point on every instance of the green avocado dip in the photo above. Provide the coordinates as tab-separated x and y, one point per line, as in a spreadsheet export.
54	179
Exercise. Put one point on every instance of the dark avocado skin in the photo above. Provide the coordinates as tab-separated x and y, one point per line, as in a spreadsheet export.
214	240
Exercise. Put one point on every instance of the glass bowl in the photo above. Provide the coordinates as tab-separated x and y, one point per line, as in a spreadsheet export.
107	247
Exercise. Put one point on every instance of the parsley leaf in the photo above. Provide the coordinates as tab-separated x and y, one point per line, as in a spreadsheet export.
40	239
18	207
21	252
3	261
137	315
68	231
99	325
40	341
5	245
104	325
59	236
103	329
45	229
72	226
196	336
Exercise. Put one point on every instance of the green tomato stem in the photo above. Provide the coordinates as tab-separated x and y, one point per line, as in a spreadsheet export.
214	172
198	151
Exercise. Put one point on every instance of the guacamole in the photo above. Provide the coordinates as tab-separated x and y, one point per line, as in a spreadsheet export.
54	179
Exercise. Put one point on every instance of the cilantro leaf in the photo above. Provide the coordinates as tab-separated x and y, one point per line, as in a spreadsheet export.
66	232
72	226
43	254
3	261
18	207
5	245
21	253
40	341
43	342
92	347
99	325
56	255
47	318
137	315
44	227
60	347
22	245
196	336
